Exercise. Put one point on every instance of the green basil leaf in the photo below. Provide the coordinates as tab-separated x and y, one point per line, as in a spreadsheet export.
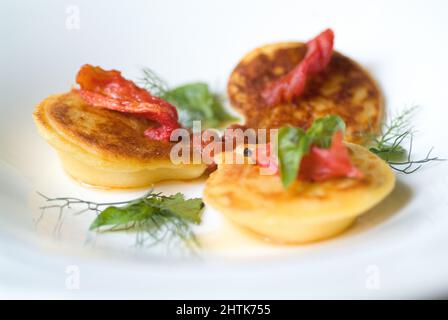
195	101
150	207
177	205
120	217
389	152
293	144
323	129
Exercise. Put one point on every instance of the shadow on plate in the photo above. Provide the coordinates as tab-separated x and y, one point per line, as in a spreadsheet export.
398	199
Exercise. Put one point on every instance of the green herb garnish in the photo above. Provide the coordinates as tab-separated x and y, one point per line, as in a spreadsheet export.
154	217
295	143
194	101
322	130
153	83
390	144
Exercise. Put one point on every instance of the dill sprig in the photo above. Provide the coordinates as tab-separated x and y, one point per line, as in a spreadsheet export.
193	101
391	144
154	217
153	83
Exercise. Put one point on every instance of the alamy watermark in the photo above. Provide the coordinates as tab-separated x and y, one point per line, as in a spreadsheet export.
234	146
373	277
73	277
72	19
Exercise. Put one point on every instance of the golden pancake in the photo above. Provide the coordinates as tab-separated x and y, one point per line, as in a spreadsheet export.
343	88
306	211
106	148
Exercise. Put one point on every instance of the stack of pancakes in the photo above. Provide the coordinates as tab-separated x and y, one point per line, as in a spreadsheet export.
109	149
306	211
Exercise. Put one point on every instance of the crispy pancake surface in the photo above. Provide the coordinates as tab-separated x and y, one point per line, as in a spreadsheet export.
106	148
306	211
343	88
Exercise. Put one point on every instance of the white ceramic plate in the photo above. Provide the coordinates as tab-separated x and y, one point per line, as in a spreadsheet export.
398	249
